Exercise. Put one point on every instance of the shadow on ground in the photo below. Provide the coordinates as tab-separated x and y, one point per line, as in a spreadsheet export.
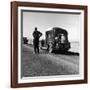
67	53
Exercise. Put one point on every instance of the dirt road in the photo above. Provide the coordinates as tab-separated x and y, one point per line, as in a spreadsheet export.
45	64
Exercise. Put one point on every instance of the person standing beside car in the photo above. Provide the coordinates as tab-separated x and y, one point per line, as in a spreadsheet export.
62	39
36	35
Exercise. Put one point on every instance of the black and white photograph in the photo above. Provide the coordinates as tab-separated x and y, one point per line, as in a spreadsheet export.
51	44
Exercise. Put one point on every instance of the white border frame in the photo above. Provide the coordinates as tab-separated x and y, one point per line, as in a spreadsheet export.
51	78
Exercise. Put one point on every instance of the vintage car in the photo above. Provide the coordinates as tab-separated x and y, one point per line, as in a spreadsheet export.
57	40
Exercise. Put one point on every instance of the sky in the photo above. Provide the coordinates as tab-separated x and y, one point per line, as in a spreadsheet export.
43	21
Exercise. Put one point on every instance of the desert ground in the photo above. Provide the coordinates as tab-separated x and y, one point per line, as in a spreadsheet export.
47	64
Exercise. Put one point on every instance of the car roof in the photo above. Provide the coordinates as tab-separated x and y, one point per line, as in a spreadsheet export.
57	30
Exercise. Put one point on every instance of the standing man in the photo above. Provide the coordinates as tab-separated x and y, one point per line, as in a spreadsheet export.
36	35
